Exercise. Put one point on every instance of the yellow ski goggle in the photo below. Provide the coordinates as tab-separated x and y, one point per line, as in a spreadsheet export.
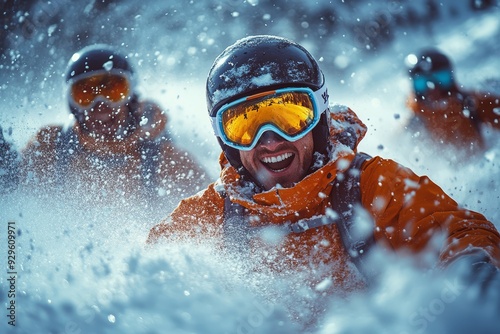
289	112
113	87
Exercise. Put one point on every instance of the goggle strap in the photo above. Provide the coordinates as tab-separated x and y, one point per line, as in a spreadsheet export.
213	121
322	97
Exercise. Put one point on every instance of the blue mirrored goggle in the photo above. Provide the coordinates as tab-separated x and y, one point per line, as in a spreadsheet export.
422	83
289	112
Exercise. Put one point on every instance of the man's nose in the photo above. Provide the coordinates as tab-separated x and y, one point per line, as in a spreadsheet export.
102	111
269	138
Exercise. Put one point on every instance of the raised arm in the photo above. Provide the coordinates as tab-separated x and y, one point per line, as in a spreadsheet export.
413	213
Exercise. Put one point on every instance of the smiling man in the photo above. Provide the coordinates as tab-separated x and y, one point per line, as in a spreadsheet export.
119	147
290	165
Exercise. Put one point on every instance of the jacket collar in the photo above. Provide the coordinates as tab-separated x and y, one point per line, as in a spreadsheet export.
305	196
151	130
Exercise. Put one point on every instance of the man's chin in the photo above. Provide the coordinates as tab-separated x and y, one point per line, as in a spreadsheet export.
280	179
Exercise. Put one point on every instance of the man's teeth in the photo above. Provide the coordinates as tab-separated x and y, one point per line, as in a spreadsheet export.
269	160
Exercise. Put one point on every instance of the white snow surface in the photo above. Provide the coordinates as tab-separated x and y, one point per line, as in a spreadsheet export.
85	269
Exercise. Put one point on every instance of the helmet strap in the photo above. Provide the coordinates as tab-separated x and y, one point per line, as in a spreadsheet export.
321	134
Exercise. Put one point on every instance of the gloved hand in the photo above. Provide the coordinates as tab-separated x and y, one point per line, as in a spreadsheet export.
480	277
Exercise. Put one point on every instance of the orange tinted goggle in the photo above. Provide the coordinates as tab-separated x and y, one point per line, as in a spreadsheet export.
289	112
113	87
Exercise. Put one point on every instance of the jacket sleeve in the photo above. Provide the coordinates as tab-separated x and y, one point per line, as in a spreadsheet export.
39	157
488	107
412	213
181	168
197	216
176	165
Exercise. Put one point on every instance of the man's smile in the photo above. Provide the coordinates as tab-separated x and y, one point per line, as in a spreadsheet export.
279	162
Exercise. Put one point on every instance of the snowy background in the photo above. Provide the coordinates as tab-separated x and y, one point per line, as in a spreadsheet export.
84	269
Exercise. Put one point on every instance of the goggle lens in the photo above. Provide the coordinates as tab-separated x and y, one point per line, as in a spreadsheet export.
440	79
291	113
113	87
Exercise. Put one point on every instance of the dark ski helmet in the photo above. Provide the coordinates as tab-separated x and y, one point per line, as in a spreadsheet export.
429	61
261	63
97	57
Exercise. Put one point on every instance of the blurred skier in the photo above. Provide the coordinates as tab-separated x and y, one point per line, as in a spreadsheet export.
451	116
294	193
118	144
8	165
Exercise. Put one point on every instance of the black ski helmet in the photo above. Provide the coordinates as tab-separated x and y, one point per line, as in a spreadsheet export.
428	61
97	57
261	63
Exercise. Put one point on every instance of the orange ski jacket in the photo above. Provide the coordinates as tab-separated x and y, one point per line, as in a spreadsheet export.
406	210
456	120
145	161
